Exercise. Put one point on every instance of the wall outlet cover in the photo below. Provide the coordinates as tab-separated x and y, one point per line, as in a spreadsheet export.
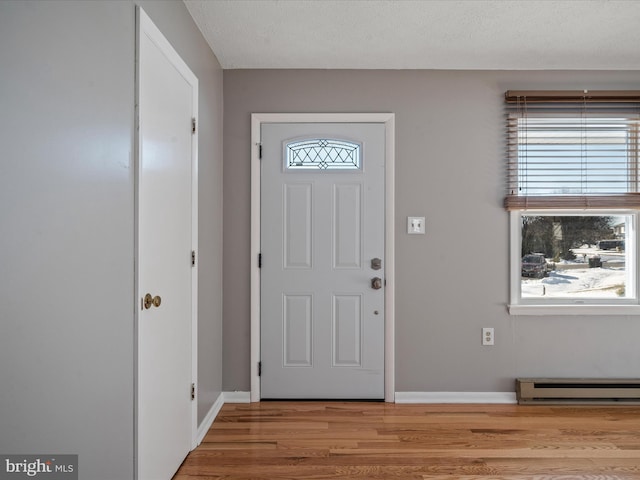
415	225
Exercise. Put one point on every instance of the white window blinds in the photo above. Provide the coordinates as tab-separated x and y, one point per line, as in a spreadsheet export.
572	150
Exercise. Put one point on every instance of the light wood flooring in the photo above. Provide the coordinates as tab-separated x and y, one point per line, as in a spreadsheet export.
360	440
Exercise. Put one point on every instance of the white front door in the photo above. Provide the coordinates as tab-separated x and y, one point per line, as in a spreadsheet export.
322	275
167	98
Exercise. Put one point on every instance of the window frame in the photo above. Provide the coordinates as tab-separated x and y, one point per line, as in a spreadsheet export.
623	104
564	305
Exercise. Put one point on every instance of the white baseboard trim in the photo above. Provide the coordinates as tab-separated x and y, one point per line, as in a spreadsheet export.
400	397
456	397
237	397
204	427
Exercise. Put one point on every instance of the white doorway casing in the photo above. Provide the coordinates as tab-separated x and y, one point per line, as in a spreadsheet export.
388	120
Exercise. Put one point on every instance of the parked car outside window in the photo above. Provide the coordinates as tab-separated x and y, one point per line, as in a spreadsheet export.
534	265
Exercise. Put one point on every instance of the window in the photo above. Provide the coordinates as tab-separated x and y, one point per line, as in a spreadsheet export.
573	193
324	154
576	257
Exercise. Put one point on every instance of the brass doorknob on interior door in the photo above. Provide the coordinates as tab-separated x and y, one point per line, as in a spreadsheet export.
376	283
149	301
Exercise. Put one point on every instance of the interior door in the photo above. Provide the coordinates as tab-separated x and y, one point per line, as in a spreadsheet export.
167	96
322	275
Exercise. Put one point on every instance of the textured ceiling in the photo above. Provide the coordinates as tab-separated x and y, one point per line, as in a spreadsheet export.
422	34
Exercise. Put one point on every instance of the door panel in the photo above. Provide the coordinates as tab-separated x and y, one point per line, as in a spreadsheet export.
322	325
164	407
298	331
297	228
347	226
347	330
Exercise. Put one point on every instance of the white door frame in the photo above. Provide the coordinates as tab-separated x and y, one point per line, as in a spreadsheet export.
257	119
145	24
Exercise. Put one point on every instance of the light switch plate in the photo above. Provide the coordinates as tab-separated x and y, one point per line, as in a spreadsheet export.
415	225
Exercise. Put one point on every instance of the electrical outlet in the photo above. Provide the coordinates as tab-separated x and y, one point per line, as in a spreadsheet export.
415	225
488	337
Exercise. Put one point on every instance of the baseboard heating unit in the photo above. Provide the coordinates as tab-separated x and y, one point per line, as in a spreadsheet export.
592	391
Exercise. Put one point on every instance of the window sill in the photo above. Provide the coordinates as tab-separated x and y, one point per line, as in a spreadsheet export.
541	310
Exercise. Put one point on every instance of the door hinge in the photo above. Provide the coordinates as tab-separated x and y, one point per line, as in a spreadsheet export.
193	391
193	125
259	260
193	258
259	369
260	151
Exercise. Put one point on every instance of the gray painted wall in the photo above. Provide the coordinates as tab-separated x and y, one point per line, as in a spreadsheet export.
67	232
454	280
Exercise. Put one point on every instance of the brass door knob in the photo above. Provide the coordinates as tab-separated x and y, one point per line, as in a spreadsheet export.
376	283
148	301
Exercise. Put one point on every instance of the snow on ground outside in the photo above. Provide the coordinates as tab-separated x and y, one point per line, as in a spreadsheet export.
575	281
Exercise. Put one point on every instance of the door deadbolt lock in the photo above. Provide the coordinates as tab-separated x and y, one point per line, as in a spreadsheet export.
376	264
149	301
376	283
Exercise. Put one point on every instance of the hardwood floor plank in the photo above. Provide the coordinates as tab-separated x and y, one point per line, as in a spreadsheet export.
363	440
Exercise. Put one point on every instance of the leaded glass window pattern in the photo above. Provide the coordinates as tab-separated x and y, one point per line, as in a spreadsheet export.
323	154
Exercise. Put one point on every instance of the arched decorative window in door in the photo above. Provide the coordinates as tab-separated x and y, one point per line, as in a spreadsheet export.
324	154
